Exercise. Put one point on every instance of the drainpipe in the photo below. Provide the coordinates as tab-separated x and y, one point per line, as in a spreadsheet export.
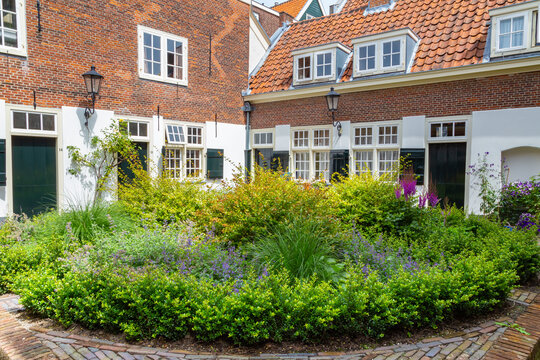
247	109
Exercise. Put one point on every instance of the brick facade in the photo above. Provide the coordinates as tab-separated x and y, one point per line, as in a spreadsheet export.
79	33
269	22
434	100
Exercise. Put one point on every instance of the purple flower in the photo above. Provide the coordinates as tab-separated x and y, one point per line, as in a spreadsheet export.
422	201
409	187
432	199
398	193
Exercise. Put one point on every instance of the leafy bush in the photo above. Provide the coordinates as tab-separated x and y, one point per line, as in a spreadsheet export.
518	198
303	248
246	209
162	199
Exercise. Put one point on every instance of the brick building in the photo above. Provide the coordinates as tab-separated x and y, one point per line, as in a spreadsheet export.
439	81
174	70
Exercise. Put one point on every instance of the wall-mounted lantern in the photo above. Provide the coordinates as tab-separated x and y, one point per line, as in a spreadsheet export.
332	99
92	80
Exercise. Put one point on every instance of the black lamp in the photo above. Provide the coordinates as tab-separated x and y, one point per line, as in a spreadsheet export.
92	80
332	99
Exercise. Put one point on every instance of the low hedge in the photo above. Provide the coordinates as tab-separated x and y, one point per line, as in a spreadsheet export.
151	302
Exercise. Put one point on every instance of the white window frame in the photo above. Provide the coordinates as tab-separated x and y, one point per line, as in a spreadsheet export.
325	172
379	153
141	30
303	139
296	67
266	134
383	144
332	64
315	145
189	168
21	49
357	54
138	138
201	136
446	138
308	162
526	31
183	133
33	132
309	16
358	170
178	172
379	39
361	136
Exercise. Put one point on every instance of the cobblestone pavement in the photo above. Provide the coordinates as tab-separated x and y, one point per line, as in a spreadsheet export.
487	341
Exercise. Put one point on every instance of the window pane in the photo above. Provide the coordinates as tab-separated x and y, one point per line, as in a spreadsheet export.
371	50
143	129
386	60
133	129
10	38
147	39
10	20
362	51
448	129
505	26
48	122
157	42
517	24
34	121
459	129
435	130
396	45
157	69
517	39
371	63
504	41
8	5
363	64
157	55
395	59
387	48
19	120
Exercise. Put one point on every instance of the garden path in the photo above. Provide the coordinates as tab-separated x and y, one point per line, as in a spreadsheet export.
488	341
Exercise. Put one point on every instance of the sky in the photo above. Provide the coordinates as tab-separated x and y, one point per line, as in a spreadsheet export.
270	3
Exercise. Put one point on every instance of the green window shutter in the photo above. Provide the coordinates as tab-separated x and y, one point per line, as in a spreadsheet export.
214	163
280	161
2	162
339	162
263	157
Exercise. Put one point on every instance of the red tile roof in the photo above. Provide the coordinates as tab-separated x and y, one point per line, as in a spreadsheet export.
452	33
291	7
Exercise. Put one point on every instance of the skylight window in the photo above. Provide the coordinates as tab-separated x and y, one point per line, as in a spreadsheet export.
175	134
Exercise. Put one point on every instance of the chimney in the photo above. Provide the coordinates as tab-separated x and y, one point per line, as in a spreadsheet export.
285	18
377	3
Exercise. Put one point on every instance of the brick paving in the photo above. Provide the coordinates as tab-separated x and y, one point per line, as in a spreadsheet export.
487	341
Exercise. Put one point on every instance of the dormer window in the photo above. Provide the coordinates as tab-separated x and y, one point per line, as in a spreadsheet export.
512	29
304	68
324	64
387	52
319	63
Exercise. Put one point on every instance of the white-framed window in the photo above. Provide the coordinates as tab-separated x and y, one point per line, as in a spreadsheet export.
363	136
136	129
26	121
13	27
194	135
309	17
193	163
175	134
450	129
388	135
322	165
363	161
381	53
173	162
511	32
303	68
321	138
391	53
266	138
162	56
388	161
301	139
366	57
323	64
301	165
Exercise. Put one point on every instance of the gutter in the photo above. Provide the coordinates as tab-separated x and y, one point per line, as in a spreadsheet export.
417	78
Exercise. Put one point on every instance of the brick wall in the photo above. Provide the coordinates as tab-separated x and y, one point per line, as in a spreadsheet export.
269	22
79	33
433	100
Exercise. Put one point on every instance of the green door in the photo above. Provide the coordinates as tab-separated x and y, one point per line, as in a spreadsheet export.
124	165
34	174
447	171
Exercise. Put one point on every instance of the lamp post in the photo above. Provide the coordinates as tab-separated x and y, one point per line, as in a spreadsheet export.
92	80
332	100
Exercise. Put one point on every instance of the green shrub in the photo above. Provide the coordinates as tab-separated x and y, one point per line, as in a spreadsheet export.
246	209
162	199
303	247
519	197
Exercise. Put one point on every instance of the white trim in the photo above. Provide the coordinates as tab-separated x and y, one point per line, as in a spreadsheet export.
263	131
385	35
295	68
379	55
496	50
22	47
138	120
332	65
327	46
528	5
260	6
163	47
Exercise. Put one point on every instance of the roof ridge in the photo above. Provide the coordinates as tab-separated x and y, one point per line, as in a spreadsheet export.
328	16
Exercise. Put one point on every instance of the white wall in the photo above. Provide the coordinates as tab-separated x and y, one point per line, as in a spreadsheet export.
342	142
521	163
257	45
282	140
496	131
79	189
231	138
413	133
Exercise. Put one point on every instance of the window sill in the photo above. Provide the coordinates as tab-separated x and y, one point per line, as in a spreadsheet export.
163	80
358	74
14	51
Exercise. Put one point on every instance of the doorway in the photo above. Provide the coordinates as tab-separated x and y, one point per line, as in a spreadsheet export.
447	163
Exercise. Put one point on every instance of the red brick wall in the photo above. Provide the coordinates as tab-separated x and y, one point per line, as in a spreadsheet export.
442	99
269	22
79	33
